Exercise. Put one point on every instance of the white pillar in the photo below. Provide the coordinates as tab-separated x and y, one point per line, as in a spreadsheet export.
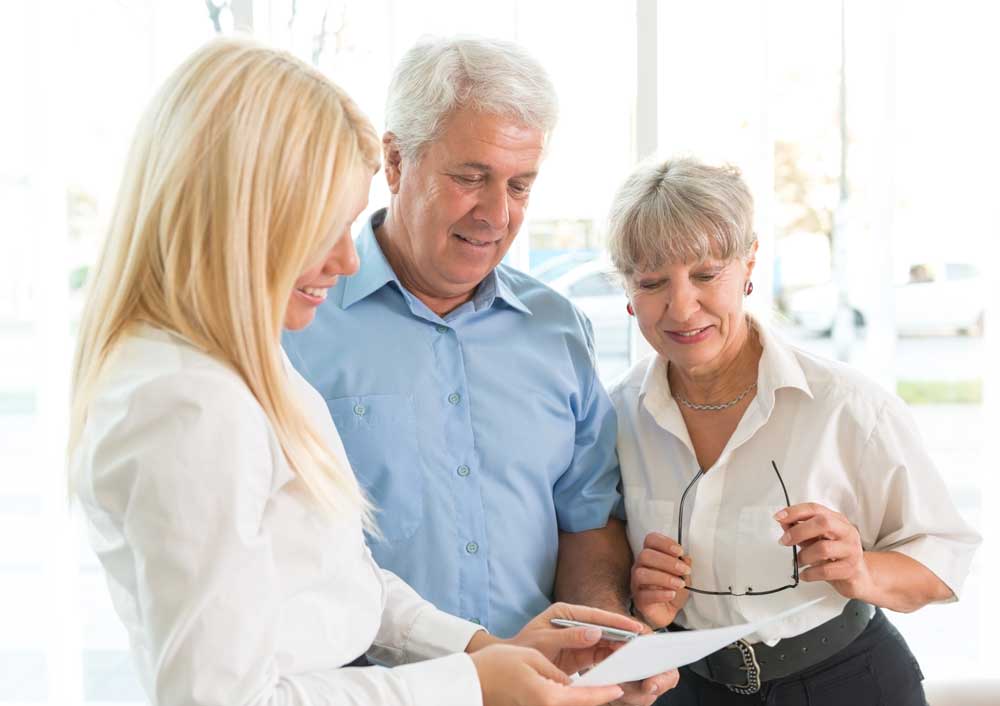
646	96
761	180
646	129
242	15
880	341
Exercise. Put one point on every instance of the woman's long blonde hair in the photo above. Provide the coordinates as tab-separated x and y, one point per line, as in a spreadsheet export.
241	167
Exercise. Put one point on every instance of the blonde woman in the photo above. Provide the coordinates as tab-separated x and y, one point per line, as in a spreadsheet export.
217	492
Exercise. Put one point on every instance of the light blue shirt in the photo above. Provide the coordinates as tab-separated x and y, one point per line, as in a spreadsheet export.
479	436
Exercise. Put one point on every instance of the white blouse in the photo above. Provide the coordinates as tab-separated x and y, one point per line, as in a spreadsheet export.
233	589
837	438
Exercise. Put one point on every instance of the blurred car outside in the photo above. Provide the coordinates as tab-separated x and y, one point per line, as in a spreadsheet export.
936	298
560	263
593	287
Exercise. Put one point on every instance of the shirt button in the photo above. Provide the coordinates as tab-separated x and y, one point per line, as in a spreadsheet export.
454	398
463	470
441	329
472	547
359	409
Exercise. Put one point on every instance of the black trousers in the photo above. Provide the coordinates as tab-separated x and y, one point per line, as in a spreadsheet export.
877	669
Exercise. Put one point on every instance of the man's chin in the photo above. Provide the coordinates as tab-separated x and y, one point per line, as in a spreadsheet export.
465	279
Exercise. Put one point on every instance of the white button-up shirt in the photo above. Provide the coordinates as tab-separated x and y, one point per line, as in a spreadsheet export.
234	590
838	440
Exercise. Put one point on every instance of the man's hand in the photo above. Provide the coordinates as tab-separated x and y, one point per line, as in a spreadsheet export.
659	577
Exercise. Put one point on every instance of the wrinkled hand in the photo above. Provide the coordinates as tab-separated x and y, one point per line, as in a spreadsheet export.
659	577
828	544
519	676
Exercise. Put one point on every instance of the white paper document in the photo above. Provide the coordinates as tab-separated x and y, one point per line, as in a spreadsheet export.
652	654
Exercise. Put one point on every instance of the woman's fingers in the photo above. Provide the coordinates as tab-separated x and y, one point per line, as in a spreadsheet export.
586	614
824	551
825	526
799	513
642	576
551	642
558	695
659	608
655	559
830	571
663	544
660	683
586	695
651	596
545	668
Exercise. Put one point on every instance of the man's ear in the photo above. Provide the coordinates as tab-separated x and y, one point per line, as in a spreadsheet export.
393	161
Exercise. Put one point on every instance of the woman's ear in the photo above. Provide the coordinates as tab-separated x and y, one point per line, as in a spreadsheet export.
751	260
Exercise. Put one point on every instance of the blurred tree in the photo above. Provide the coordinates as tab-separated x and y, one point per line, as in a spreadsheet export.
806	200
215	13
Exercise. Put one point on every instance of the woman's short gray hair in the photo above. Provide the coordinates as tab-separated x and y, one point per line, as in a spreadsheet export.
679	211
438	76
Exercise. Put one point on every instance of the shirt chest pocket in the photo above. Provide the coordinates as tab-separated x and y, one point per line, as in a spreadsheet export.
380	435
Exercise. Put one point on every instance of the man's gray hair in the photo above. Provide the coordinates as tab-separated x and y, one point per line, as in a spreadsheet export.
439	76
679	211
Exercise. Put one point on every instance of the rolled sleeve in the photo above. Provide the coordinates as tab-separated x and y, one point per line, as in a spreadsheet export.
918	518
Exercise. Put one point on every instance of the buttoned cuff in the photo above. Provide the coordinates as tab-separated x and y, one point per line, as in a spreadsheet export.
435	633
447	681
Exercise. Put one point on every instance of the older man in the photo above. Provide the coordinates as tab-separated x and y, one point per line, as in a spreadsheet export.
468	399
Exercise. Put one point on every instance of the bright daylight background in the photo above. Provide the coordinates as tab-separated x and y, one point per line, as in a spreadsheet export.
907	239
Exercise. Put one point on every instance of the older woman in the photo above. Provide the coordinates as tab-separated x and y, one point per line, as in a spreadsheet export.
758	476
220	500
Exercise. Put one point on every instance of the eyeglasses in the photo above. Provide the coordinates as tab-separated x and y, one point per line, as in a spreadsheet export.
750	591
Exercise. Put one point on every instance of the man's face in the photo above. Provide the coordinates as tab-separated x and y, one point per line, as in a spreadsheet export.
457	208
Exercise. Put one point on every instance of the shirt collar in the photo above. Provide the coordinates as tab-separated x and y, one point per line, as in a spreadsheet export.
375	272
504	292
778	368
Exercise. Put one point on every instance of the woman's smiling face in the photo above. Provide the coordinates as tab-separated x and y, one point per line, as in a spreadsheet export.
692	313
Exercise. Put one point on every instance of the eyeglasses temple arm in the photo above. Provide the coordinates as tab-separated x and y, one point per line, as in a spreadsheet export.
795	549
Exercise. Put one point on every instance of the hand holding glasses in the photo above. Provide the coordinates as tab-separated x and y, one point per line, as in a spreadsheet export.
658	580
661	573
793	579
831	547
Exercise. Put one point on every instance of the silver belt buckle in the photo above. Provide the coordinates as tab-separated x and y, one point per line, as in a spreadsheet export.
750	666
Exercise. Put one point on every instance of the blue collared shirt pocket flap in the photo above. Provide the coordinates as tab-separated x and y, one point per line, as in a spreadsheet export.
380	435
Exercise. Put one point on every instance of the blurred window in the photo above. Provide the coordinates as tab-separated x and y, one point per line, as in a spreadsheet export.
960	271
595	285
79	74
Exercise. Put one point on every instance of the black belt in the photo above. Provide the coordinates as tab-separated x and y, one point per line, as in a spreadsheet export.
361	661
742	667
